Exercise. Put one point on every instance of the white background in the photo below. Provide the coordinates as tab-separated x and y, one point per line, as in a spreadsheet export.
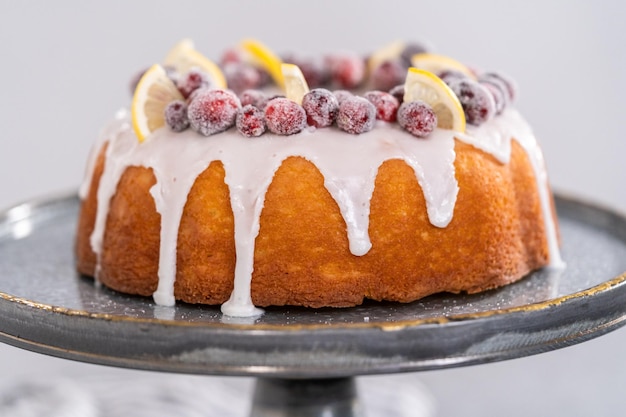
65	68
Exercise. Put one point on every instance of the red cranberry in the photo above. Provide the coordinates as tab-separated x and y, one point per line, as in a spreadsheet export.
193	80
477	101
417	117
250	121
321	107
498	84
172	73
230	56
509	83
341	95
314	71
264	77
499	94
212	111
284	117
193	95
176	115
411	49
450	75
257	98
398	93
356	115
241	77
347	71
388	74
386	105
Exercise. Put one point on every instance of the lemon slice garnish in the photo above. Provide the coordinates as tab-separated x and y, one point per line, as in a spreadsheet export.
438	63
295	84
386	53
427	87
154	92
265	58
183	56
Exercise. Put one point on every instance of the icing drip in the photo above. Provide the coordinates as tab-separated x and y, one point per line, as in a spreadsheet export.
348	163
114	167
106	133
494	138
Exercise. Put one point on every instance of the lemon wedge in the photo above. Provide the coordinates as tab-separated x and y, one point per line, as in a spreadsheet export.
183	56
427	87
154	92
386	53
438	63
265	58
295	84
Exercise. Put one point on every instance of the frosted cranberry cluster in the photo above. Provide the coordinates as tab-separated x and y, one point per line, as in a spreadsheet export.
252	111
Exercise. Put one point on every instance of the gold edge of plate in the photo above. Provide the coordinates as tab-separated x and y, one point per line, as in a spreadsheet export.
385	326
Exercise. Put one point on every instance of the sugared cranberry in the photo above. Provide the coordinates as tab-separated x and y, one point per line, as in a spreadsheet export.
386	105
250	121
230	56
171	72
264	77
477	101
499	94
388	74
257	98
314	71
193	80
398	93
346	71
212	111
494	83
284	117
411	49
193	95
341	95
356	115
509	83
176	115
417	117
321	107
241	77
450	75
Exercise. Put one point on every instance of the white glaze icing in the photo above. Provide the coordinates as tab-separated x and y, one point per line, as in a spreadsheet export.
348	163
494	138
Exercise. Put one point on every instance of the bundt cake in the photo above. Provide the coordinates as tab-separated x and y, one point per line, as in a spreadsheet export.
251	196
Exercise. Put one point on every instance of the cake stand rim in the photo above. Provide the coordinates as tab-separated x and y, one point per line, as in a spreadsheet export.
559	196
616	285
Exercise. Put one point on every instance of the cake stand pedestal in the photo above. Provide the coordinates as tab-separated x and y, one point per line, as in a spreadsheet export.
306	360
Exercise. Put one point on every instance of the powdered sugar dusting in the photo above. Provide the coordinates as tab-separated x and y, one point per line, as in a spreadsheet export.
284	117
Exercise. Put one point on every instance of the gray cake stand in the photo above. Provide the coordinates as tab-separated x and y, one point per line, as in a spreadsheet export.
306	360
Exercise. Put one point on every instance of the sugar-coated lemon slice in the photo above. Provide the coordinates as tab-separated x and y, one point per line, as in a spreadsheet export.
265	58
154	92
426	86
295	84
438	63
386	53
183	56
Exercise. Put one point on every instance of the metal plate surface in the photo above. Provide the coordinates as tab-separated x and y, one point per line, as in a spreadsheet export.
47	307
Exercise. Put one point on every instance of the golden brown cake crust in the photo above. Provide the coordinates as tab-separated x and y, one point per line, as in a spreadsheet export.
302	258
